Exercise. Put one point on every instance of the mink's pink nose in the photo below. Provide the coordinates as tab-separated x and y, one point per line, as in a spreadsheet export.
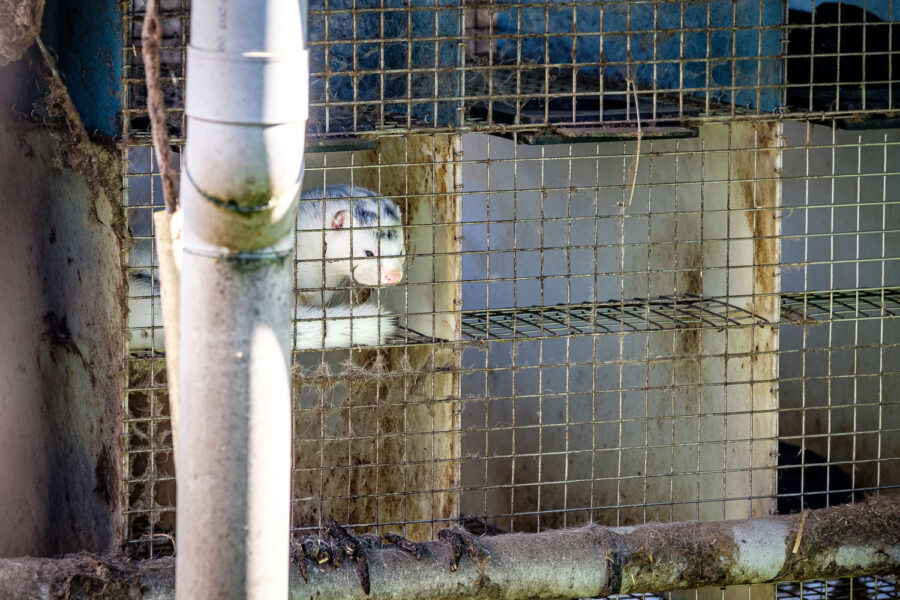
392	277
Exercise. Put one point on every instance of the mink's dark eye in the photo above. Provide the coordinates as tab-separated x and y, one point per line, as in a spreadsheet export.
369	253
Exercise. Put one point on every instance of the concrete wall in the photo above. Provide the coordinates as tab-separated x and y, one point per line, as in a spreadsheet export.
61	343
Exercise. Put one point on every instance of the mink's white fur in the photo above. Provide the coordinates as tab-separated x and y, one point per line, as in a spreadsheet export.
345	233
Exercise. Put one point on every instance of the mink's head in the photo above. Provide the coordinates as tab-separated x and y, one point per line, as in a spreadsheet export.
364	239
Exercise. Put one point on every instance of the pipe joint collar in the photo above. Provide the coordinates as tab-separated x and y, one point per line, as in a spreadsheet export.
249	88
234	227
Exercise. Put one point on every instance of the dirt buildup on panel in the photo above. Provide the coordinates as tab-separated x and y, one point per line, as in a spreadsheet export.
693	553
861	522
832	539
375	368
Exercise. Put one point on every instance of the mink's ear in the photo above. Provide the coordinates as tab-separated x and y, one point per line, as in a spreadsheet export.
339	220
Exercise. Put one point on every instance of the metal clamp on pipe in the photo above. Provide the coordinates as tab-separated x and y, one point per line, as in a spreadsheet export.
242	166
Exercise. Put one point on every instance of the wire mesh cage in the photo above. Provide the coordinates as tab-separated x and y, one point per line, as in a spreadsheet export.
651	267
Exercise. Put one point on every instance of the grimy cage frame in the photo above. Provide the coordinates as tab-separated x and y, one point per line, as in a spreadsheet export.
652	266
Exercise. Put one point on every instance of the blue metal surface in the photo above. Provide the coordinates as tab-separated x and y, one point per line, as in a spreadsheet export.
87	39
718	48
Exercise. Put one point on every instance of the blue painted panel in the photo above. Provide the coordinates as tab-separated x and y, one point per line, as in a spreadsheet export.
718	58
356	44
87	39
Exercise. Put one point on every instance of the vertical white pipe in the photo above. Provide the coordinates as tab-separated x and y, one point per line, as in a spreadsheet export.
246	107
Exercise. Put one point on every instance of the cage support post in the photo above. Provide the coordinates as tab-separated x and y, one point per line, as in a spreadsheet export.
168	234
737	367
742	267
427	186
722	243
246	106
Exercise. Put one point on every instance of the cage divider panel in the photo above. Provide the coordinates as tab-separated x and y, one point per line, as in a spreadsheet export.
683	419
838	380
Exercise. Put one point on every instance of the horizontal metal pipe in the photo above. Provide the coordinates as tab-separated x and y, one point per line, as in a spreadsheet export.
845	541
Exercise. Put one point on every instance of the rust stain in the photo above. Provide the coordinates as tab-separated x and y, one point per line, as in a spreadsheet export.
689	280
756	149
757	158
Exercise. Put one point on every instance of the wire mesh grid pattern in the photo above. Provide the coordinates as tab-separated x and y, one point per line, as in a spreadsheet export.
873	588
862	587
635	315
686	312
593	329
578	69
149	476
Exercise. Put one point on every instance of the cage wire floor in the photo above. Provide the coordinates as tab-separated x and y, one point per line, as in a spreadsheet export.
872	588
540	95
868	588
662	313
532	98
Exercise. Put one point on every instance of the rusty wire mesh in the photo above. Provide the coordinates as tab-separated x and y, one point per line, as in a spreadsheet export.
653	274
149	477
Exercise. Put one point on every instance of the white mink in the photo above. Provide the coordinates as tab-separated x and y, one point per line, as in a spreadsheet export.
345	233
145	320
360	237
